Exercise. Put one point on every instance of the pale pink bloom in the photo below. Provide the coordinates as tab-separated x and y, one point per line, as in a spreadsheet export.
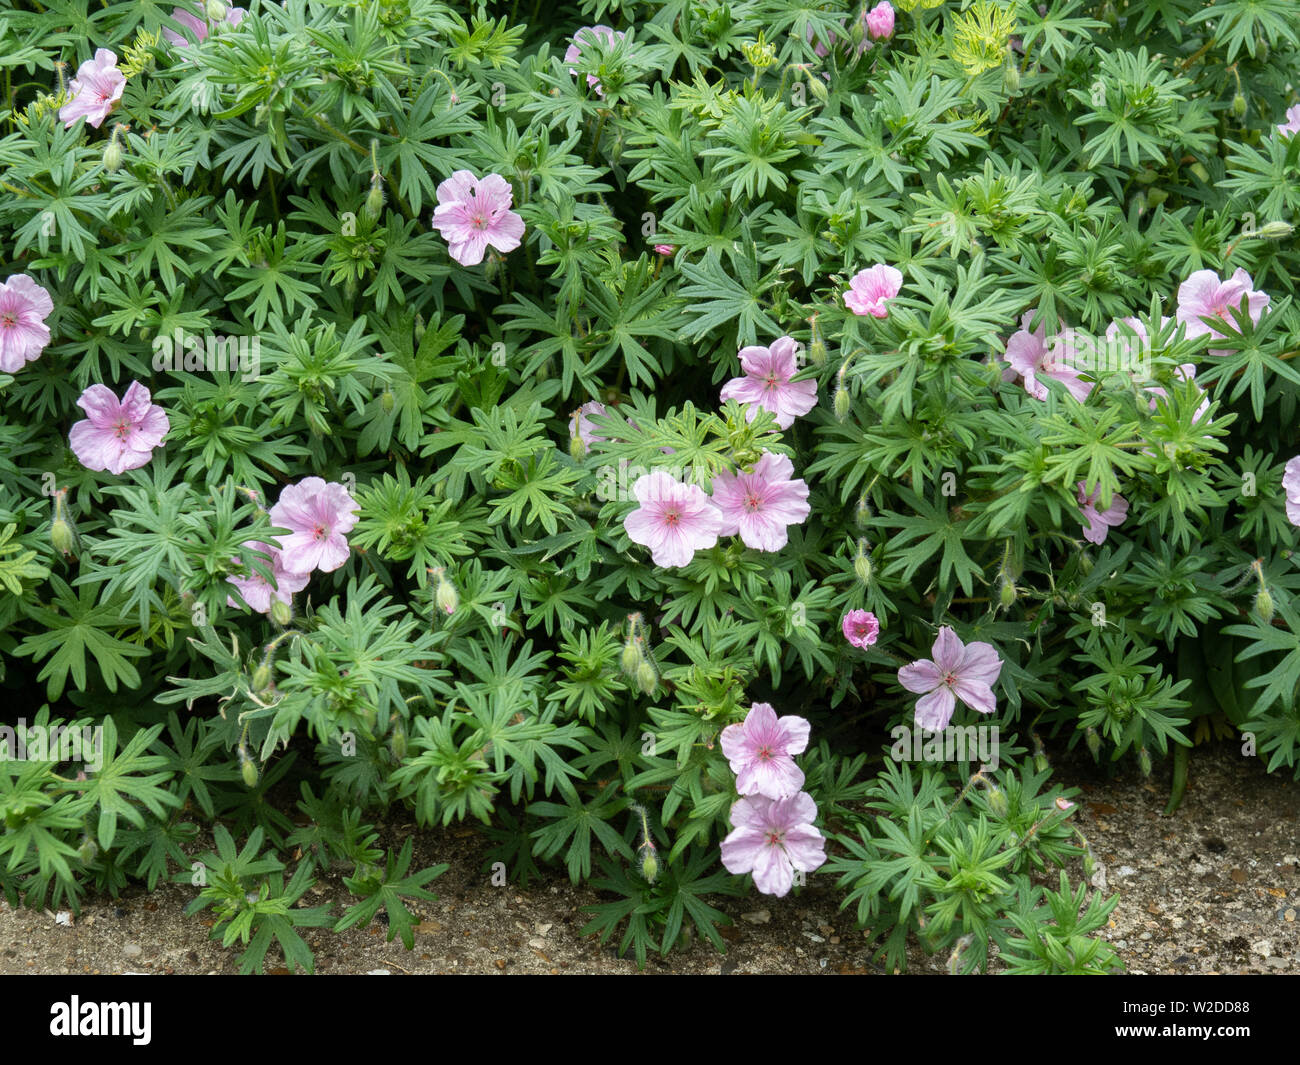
257	590
1292	123
771	839
760	505
317	515
585	38
1100	522
1064	804
767	383
24	306
1203	295
958	671
1032	356
117	435
674	520
870	289
880	21
1291	486
860	627
95	90
762	749
198	25
666	249
582	426
473	213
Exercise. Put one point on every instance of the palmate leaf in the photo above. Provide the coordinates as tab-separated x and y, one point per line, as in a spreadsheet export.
1280	682
927	532
388	890
715	298
124	782
73	627
575	823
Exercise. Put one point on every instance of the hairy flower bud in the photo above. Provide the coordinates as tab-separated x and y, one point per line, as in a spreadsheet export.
1011	78
281	613
863	514
62	536
842	401
1144	761
1275	230
1239	106
375	198
862	567
447	598
1007	593
1092	738
649	862
398	740
577	449
112	155
631	657
262	677
387	400
247	768
216	10
997	800
1264	606
88	851
647	678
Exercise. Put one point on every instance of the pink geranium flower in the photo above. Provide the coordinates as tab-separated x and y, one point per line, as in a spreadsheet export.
957	671
674	519
760	505
198	25
1100	522
473	213
95	90
1292	123
1291	486
317	515
582	425
761	752
880	21
767	383
117	435
1031	356
257	590
666	249
870	289
585	38
860	627
1203	296
24	306
771	839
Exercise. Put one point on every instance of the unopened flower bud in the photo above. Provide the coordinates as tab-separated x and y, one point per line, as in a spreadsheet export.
997	799
631	658
62	536
1007	593
818	88
1199	170
862	567
387	400
817	349
1089	863
1011	78
1264	606
398	741
88	851
247	767
649	863
1275	230
1261	48
262	677
1239	106
646	677
446	596
863	514
375	198
216	10
842	401
577	449
1144	761
1092	738
112	155
281	613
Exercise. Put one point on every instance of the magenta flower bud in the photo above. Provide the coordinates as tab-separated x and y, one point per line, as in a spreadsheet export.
880	21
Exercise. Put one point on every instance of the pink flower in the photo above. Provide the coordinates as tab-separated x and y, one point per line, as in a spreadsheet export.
1031	356
761	752
869	290
586	37
759	505
1291	486
767	383
471	214
24	306
773	838
1100	522
1203	295
117	436
860	628
666	249
674	519
880	21
958	671
582	426
257	590
1292	123
95	90
317	515
197	25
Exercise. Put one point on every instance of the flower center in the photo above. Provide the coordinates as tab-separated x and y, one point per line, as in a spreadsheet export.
478	221
765	753
672	517
770	382
8	319
775	839
319	532
752	502
950	679
121	428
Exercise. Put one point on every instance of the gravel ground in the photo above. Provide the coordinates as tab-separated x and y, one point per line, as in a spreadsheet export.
1213	889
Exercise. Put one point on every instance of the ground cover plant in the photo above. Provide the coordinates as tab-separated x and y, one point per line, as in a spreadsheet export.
709	444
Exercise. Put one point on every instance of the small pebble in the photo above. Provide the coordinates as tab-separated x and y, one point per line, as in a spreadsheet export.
1125	870
379	972
133	950
757	917
1145	935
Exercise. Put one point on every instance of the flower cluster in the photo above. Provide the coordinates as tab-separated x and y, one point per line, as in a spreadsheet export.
773	834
